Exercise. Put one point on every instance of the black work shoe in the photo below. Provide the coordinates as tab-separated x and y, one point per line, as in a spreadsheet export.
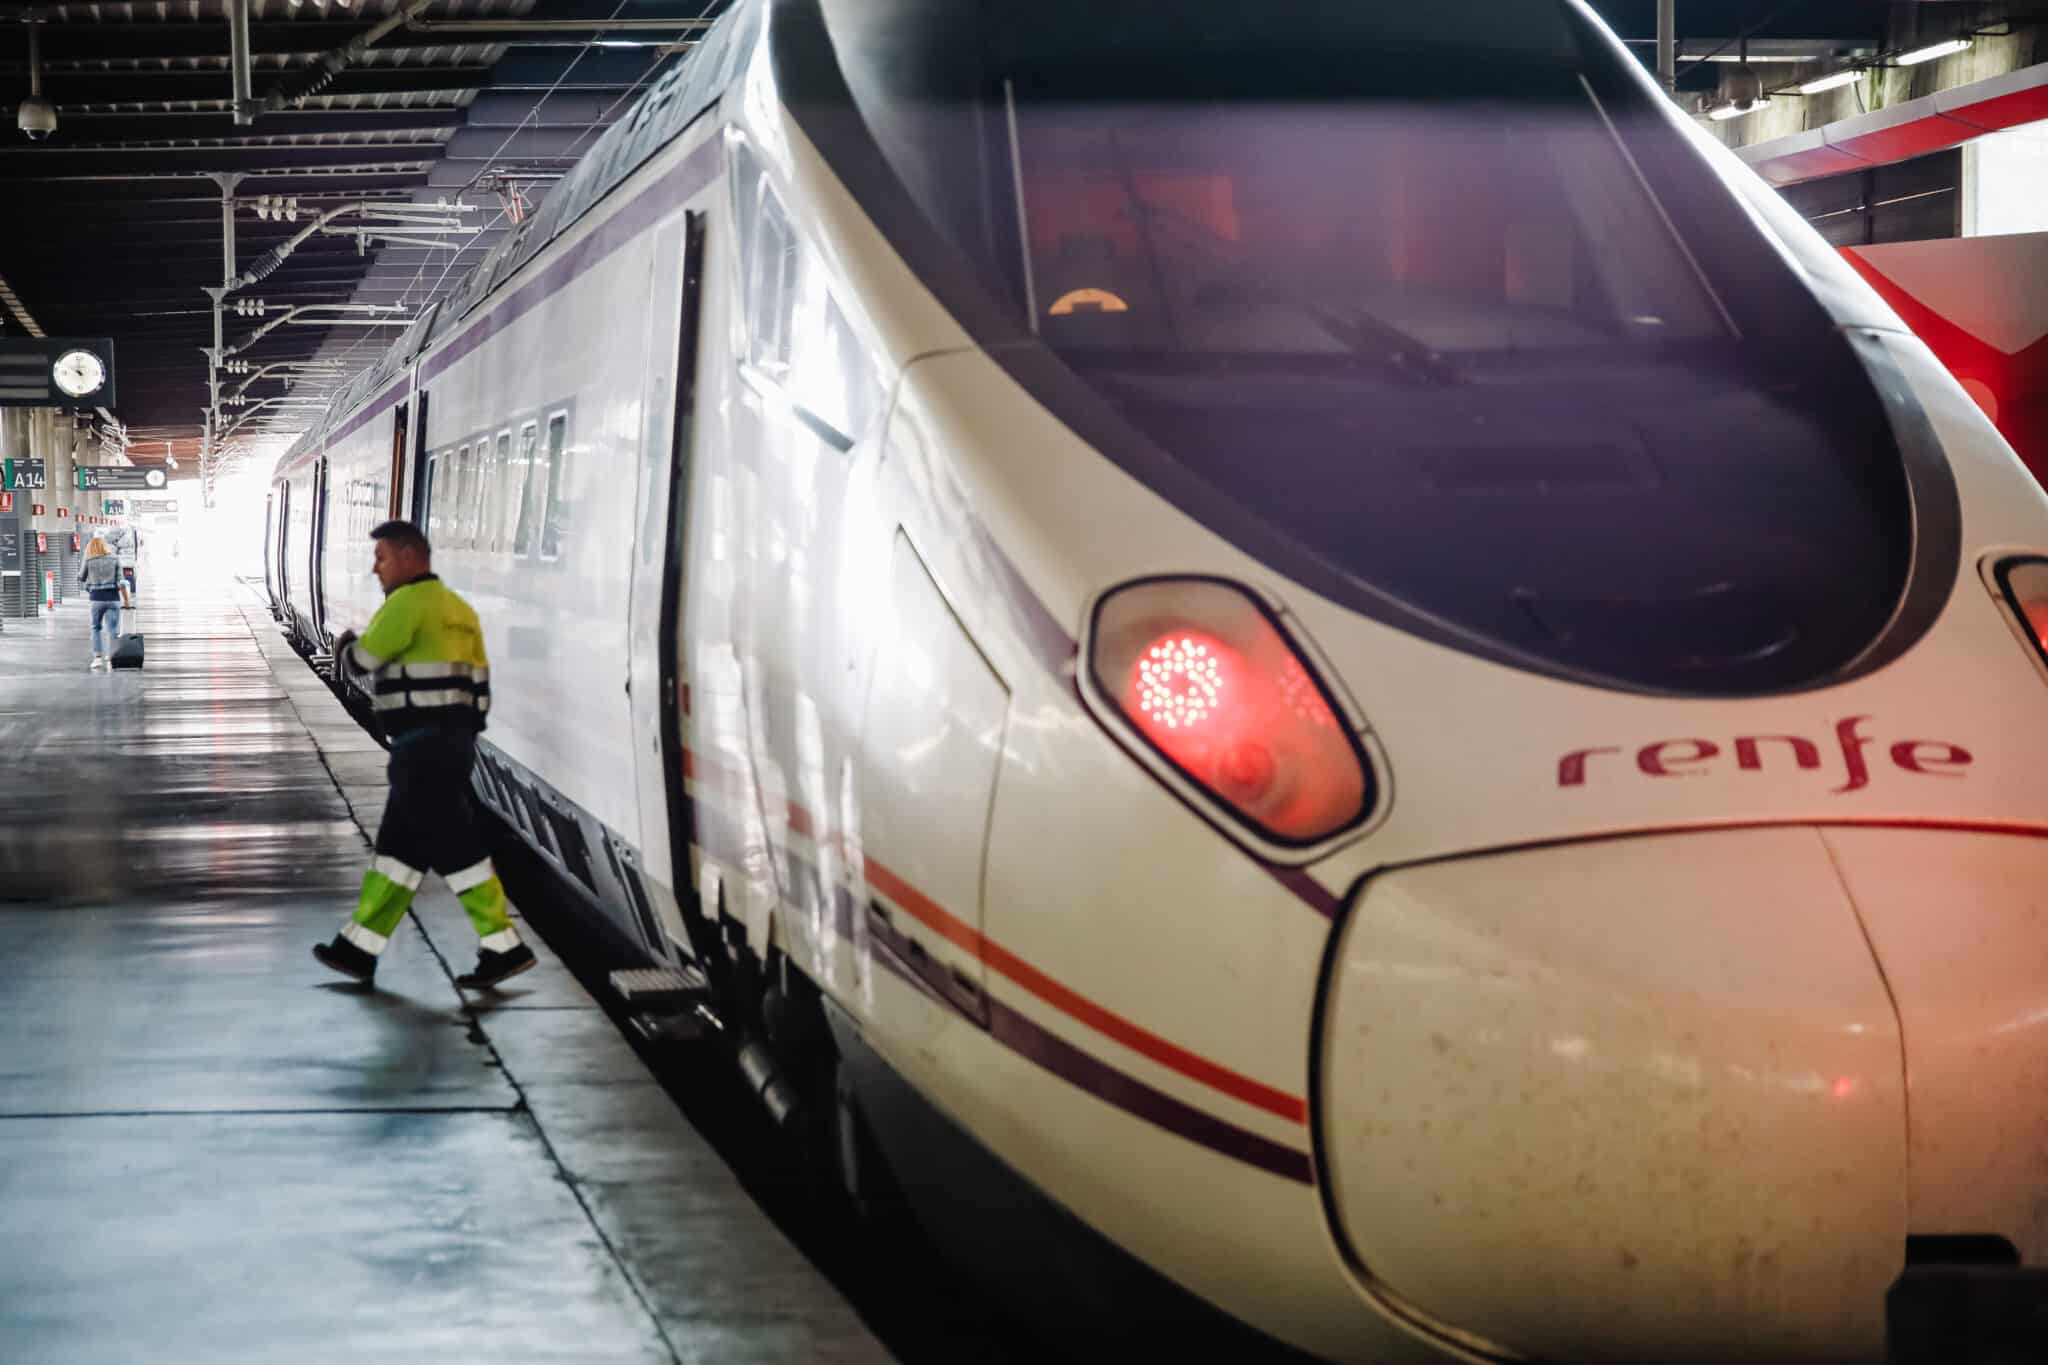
346	958
491	968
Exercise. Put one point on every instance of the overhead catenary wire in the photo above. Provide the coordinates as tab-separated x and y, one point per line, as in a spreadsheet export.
332	63
532	116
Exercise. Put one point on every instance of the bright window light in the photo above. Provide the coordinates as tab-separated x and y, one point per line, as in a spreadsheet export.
1928	54
1834	80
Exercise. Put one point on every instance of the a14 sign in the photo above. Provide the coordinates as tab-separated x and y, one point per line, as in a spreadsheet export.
24	473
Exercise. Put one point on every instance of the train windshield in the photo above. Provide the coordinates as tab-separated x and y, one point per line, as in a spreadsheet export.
1341	231
1458	331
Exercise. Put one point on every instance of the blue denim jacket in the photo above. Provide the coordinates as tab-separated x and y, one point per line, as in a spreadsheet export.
102	578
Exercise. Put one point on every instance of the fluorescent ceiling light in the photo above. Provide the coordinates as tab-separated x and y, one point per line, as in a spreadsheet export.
624	42
1728	111
1834	80
1928	54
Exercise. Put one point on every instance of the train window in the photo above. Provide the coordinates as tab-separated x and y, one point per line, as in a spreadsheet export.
770	263
446	486
1513	228
528	469
472	485
798	336
427	498
831	377
475	458
480	498
557	470
458	499
501	488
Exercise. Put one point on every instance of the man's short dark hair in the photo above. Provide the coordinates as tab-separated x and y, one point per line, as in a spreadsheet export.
403	535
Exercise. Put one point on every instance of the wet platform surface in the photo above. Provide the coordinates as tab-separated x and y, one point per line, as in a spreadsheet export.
212	1150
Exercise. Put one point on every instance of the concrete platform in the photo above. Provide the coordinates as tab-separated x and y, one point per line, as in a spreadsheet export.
212	1150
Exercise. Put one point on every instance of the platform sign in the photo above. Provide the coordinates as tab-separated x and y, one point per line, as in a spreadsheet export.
10	544
123	476
144	506
25	473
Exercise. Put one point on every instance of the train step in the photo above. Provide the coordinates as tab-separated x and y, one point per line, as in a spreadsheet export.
668	1004
658	990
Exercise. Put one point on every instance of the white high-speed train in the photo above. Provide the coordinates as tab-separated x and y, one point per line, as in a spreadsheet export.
1320	663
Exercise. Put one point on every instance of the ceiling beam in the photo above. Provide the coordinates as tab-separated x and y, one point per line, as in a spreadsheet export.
111	39
141	125
558	69
518	109
85	284
74	163
525	144
1838	19
173	210
33	215
329	188
71	88
167	239
543	69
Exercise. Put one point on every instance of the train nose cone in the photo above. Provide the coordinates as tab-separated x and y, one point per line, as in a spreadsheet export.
1633	1100
1960	922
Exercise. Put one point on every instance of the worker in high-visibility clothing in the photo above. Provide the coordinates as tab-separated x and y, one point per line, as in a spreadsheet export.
431	689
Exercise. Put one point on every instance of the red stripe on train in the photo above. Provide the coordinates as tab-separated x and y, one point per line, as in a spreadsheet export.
1072	1003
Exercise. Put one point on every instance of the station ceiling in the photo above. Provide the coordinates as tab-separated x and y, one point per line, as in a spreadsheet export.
111	225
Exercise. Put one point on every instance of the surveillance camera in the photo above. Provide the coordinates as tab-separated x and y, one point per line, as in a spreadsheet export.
37	118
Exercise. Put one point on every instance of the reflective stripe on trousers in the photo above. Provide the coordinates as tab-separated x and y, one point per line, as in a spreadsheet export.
430	822
388	890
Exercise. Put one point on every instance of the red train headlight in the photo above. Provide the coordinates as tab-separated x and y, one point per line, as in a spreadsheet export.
1211	679
2023	580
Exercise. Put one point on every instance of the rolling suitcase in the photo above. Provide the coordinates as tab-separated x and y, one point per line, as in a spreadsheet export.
127	652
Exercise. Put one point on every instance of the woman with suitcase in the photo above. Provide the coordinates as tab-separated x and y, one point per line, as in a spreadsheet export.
101	575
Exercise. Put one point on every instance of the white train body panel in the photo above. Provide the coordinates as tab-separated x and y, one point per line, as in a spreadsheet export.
1591	1040
555	617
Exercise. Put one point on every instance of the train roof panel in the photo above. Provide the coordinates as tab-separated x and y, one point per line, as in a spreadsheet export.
675	101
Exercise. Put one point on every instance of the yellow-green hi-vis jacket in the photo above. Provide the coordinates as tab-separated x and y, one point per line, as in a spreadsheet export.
427	651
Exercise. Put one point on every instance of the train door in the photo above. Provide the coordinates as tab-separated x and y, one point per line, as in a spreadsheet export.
654	614
270	552
316	553
420	491
395	490
284	577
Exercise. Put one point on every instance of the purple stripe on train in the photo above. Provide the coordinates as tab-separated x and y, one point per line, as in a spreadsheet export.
645	209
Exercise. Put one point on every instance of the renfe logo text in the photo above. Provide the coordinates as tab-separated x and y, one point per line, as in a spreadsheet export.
1755	753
